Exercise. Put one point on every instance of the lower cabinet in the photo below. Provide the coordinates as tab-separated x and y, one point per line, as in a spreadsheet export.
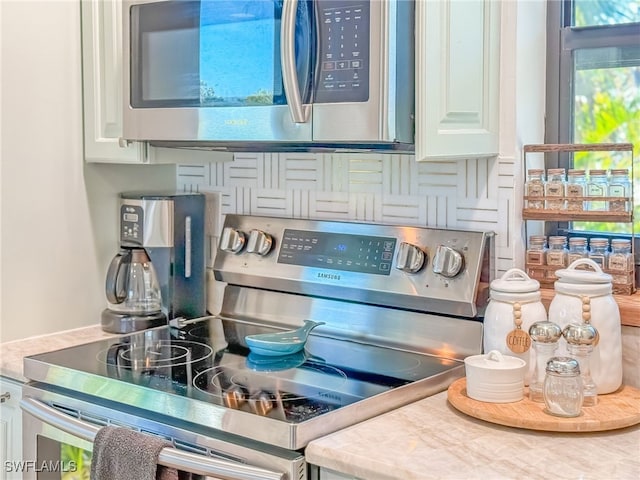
10	429
326	474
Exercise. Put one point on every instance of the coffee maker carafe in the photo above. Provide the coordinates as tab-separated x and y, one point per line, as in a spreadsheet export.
133	292
161	262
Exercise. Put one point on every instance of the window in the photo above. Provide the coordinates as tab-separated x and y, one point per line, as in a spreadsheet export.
593	89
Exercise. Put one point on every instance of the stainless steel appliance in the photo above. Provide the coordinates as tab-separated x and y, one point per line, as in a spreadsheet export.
270	75
168	228
402	307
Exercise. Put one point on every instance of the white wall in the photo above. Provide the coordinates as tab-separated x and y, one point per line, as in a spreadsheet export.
57	216
1	70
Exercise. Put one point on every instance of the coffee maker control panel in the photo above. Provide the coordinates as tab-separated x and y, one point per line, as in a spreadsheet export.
131	224
148	222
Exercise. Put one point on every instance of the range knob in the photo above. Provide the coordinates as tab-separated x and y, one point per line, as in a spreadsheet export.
232	240
410	258
259	242
447	261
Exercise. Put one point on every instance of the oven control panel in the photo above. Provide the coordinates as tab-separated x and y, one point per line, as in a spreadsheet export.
337	251
403	266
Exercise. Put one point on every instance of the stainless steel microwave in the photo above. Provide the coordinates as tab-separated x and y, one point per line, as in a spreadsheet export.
266	75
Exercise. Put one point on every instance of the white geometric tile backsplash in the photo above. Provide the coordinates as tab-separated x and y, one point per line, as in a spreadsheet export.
473	194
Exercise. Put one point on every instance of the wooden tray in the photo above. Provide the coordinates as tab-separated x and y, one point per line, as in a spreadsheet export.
615	410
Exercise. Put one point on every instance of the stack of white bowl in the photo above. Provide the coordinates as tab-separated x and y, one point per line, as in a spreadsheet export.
495	378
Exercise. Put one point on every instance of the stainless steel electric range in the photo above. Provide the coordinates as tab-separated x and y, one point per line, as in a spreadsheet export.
402	307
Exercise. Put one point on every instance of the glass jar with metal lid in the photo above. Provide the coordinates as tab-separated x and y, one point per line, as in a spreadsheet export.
544	336
599	251
577	249
562	389
557	252
535	256
556	256
554	189
620	259
620	262
534	187
580	338
620	186
597	186
576	189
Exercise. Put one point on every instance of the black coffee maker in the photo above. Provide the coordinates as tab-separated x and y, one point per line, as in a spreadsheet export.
159	271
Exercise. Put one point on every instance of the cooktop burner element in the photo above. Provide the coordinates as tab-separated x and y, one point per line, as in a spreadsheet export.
401	309
155	356
292	395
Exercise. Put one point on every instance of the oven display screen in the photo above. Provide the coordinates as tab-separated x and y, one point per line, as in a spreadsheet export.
338	251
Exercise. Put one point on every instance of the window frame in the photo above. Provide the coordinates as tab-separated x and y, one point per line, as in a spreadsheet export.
562	40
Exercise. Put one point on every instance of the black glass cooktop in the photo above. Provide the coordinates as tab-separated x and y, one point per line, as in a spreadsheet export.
207	363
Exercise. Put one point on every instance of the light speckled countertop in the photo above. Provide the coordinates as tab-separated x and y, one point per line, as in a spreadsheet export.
12	353
427	439
430	439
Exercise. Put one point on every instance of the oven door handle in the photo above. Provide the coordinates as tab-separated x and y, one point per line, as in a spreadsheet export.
168	457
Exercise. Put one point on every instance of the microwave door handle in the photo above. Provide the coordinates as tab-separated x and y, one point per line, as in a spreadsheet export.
168	456
299	112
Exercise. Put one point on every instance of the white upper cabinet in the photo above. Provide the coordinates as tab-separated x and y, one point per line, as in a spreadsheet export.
457	78
102	85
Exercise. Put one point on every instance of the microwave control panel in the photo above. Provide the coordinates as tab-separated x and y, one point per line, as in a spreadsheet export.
344	52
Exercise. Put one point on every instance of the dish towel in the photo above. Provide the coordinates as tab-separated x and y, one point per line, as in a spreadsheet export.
123	454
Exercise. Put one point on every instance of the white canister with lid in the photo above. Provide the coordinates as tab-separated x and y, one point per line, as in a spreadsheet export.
513	297
583	295
494	377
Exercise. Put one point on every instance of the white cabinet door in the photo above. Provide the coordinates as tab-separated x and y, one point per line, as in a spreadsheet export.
10	429
102	85
457	78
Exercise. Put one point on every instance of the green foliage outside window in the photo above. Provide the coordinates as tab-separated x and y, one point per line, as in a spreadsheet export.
607	110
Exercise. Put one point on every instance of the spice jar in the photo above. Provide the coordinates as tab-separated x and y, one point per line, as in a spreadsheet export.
535	256
544	336
588	291
576	187
620	259
599	252
555	187
577	249
534	187
556	255
597	187
514	306
557	252
580	339
563	387
620	186
620	262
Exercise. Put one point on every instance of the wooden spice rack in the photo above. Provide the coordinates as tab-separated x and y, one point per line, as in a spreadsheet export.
545	273
575	215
